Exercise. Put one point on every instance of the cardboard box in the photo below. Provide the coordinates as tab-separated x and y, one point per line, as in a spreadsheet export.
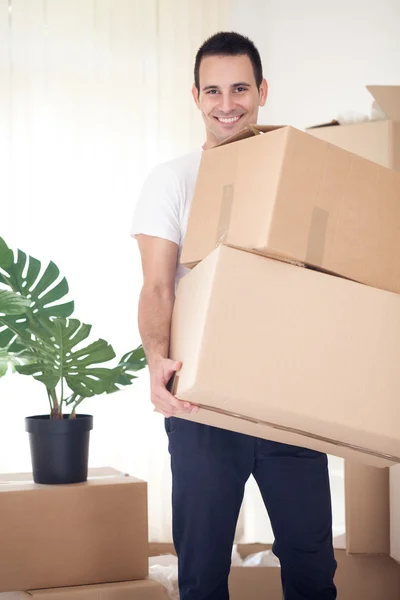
378	141
395	512
289	354
129	590
357	577
71	535
288	195
366	509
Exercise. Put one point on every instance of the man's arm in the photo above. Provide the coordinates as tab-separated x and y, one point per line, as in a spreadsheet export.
159	258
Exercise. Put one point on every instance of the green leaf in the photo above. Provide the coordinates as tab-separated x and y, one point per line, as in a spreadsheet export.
44	291
6	255
124	372
10	360
57	354
4	362
12	303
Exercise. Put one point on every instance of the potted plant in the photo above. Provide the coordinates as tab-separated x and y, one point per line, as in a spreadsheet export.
39	338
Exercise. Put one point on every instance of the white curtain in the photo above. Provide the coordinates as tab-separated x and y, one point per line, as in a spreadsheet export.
93	93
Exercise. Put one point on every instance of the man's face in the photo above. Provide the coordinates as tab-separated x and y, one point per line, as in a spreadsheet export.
228	98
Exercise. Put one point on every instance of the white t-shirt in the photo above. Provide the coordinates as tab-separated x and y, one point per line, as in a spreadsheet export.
164	203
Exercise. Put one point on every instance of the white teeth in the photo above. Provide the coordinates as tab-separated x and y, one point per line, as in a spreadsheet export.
229	120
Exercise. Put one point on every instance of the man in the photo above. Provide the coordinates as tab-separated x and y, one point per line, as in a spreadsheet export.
210	466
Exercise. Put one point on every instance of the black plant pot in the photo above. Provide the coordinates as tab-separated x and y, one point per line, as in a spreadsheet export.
59	448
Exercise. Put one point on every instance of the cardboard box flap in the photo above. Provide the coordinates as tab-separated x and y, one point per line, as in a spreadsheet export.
332	123
388	98
250	131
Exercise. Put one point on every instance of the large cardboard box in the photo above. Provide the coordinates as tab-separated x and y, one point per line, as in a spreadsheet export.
375	140
71	535
129	590
289	354
395	512
284	193
357	577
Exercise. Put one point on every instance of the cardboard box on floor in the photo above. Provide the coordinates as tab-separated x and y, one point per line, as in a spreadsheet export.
364	577
289	354
129	590
286	194
366	509
395	512
71	535
375	140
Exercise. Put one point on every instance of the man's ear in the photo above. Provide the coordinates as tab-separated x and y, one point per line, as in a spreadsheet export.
195	94
263	92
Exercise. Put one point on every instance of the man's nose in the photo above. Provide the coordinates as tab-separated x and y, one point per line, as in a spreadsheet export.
227	104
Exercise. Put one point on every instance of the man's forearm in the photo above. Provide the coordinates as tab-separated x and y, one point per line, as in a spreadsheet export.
155	312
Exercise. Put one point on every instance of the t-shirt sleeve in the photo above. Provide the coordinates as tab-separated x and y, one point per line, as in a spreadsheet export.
157	209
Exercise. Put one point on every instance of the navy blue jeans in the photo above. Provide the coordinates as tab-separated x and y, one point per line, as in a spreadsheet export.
210	467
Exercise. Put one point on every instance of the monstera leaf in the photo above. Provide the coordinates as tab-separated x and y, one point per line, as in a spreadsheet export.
124	372
57	354
24	276
6	255
10	360
12	303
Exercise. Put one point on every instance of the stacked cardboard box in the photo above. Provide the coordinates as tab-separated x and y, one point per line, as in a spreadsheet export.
288	325
376	140
76	542
293	354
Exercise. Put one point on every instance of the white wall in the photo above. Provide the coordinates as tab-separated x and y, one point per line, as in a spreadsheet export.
319	55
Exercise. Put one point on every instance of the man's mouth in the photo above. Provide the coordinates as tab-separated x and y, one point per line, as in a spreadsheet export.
228	120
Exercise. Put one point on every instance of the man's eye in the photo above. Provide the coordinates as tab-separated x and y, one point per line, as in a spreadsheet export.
212	92
241	89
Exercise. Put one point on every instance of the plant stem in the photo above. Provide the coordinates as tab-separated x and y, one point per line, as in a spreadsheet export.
50	402
62	395
75	405
55	413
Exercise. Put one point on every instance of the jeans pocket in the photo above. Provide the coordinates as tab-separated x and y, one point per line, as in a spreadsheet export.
171	423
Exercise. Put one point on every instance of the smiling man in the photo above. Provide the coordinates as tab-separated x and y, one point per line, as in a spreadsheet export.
210	466
228	90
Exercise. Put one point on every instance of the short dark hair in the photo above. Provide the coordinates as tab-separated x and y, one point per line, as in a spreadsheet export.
229	43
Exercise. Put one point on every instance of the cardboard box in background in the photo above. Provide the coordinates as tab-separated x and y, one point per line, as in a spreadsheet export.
72	535
378	141
129	590
357	577
366	509
284	193
395	512
289	354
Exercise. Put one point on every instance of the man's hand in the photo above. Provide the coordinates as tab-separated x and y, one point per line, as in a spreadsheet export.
164	402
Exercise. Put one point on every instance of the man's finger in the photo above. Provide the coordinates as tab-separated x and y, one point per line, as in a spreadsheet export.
168	398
